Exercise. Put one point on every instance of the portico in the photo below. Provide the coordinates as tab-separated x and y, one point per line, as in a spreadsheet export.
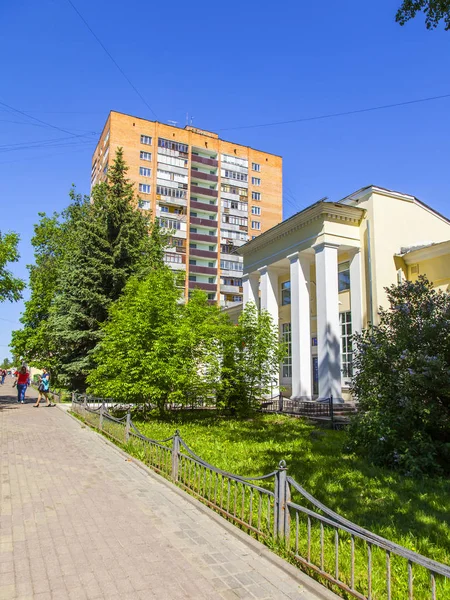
306	272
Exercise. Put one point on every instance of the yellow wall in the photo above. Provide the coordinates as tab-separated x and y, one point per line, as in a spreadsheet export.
437	270
397	223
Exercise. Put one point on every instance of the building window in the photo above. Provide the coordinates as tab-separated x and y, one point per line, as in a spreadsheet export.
256	195
144	188
169	223
172	258
256	225
212	296
286	338
256	167
164	209
345	320
256	181
234	175
230	265
344	276
211	265
192	278
211	280
285	293
193	229
144	204
145	172
146	139
232	220
170	145
256	210
172	192
146	155
192	261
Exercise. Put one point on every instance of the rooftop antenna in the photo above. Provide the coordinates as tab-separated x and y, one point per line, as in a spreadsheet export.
173	123
192	118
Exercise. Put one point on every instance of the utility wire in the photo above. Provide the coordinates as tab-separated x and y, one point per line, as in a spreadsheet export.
45	143
340	114
21	112
112	58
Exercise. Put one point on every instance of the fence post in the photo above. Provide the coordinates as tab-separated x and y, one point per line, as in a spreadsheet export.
73	398
127	427
102	410
332	411
280	402
281	497
84	406
175	455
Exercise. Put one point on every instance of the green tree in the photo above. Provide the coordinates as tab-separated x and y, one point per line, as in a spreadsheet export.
51	242
10	287
435	11
109	243
156	348
6	364
402	382
251	361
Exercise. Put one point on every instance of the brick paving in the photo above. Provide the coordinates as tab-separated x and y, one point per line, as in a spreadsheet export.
79	521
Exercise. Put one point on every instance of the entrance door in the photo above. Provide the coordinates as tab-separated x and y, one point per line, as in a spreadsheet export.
315	373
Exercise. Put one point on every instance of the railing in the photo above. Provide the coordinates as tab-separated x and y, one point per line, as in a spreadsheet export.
275	507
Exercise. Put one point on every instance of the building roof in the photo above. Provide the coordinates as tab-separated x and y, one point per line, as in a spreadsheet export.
196	130
368	189
425	252
300	219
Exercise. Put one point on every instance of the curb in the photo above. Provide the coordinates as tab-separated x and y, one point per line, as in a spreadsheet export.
321	592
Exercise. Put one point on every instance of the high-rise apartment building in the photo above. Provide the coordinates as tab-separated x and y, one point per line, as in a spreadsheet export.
211	195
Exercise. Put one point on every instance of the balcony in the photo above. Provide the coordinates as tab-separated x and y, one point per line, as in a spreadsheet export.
230	289
207	287
197	190
200	237
203	206
201	160
202	253
203	222
202	270
204	176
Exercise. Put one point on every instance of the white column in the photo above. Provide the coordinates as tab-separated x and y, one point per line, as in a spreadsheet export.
269	301
250	285
269	291
356	303
300	327
328	330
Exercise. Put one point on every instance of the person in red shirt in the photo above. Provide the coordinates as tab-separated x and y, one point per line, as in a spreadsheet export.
22	378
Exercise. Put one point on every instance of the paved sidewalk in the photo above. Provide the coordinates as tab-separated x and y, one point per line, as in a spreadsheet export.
77	520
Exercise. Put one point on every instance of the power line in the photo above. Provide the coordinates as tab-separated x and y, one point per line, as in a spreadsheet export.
44	143
21	112
112	58
340	114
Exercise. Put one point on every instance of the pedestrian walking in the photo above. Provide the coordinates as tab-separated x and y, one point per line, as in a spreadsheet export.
44	388
21	382
3	376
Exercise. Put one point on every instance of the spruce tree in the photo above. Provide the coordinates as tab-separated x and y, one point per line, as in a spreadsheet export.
110	243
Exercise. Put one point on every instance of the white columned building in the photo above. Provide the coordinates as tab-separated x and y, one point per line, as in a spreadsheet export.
300	266
356	296
321	272
250	288
269	301
328	328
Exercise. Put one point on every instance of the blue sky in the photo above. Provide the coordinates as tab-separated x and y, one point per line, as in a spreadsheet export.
228	65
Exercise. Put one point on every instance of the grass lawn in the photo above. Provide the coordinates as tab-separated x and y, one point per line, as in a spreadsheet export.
414	513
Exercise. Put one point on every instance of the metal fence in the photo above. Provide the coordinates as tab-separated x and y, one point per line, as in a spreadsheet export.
276	508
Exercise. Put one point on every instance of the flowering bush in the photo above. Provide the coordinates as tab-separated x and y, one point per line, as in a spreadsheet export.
402	382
